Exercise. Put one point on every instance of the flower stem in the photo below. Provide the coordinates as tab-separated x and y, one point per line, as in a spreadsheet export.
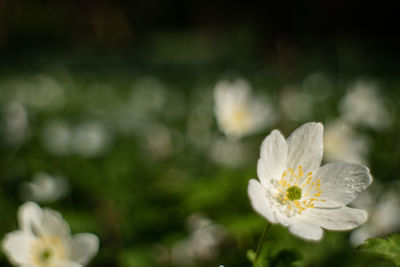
261	243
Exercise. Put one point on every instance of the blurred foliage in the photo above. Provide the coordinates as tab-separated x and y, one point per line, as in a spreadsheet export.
388	247
151	169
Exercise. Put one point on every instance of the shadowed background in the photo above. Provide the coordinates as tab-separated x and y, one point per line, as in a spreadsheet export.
115	98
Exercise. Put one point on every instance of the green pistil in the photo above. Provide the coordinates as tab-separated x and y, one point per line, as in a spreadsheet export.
293	193
45	255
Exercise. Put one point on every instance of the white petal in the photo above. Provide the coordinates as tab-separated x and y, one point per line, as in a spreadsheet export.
53	224
17	245
259	200
344	218
282	218
84	247
305	147
306	230
273	157
328	203
68	264
342	183
29	216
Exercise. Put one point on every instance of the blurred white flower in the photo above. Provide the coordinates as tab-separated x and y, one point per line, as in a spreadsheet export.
296	192
57	137
40	92
295	104
364	105
127	121
206	240
182	253
44	240
148	95
44	188
90	139
343	143
384	214
15	123
238	113
158	140
203	244
229	152
147	101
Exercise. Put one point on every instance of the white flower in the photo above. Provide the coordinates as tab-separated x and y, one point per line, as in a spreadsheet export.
44	188
44	240
342	142
238	113
296	192
363	105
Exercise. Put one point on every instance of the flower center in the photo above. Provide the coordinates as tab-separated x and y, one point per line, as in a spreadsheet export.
239	115
296	191
293	193
47	250
46	254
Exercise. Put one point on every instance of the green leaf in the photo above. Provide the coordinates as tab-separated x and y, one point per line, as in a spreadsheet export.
262	260
388	248
286	257
251	255
262	263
